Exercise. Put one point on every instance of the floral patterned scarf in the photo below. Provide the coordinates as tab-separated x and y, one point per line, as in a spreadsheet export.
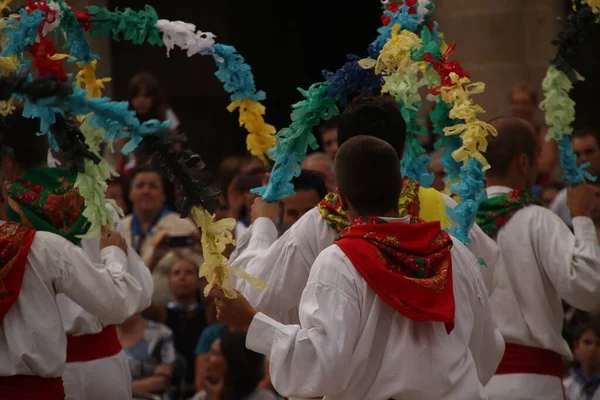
46	199
409	266
496	211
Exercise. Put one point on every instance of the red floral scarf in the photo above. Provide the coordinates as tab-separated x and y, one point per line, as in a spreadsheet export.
408	265
15	241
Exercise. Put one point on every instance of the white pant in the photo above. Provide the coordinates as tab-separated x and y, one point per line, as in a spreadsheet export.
524	387
103	379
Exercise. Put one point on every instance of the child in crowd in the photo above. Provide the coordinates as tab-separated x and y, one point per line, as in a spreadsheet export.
584	378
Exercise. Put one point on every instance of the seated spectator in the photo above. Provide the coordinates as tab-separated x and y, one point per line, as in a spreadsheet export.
239	197
116	191
160	265
320	162
151	353
151	218
186	314
584	378
328	136
310	189
233	372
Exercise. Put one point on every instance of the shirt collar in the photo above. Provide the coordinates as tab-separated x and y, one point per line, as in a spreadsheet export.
493	191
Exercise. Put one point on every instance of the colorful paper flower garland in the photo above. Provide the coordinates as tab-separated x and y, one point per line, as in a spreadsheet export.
559	108
104	120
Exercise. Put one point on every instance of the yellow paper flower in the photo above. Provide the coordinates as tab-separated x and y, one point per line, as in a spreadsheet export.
473	132
216	235
261	136
395	55
86	79
594	5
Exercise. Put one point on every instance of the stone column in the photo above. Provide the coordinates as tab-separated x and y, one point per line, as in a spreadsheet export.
501	43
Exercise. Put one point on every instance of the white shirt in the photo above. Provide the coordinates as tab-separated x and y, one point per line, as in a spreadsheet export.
351	345
76	320
541	263
32	337
574	390
286	264
559	206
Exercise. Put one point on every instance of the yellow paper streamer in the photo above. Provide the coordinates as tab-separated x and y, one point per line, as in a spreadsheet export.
8	65
86	78
473	132
5	5
216	235
594	5
395	55
261	136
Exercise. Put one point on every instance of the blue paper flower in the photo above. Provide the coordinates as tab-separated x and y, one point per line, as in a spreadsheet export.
351	78
572	173
235	74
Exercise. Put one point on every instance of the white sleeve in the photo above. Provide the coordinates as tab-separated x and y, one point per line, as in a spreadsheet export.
263	233
571	261
138	270
311	359
105	291
285	267
485	249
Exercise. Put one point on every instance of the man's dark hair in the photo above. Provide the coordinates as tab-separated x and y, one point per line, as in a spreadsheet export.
20	140
168	189
310	180
584	132
515	137
376	116
368	174
592	325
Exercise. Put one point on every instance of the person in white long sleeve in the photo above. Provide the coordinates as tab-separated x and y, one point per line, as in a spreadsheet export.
286	263
93	348
541	263
35	267
393	310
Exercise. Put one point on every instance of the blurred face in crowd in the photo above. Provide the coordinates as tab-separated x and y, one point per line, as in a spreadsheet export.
548	196
587	150
294	207
147	193
142	103
216	365
183	278
329	140
522	105
587	350
322	166
114	191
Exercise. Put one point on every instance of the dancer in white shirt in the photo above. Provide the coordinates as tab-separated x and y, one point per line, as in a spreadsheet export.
93	348
286	263
395	309
36	266
541	263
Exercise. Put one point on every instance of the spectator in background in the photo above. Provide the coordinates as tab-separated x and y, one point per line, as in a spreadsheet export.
549	193
524	104
115	191
310	189
239	197
151	219
151	353
233	372
147	98
186	314
321	163
328	136
586	144
584	378
436	167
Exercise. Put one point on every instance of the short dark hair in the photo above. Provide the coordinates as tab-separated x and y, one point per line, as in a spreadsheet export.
145	168
376	116
329	124
592	325
310	180
584	132
244	367
515	137
21	141
368	174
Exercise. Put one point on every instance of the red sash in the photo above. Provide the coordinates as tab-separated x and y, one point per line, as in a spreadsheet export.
519	359
29	387
15	242
93	347
409	266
